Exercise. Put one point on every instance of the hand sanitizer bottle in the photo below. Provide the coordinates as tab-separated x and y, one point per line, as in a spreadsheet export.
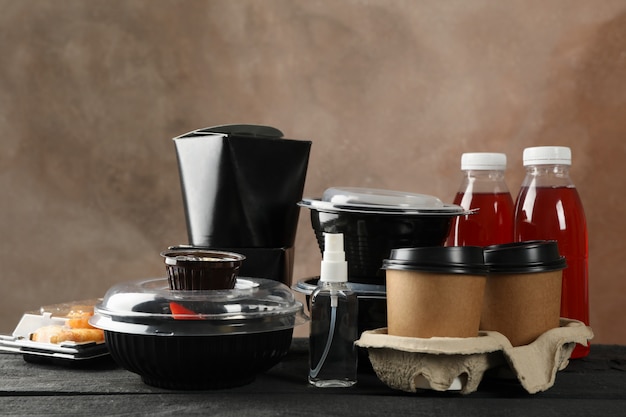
334	311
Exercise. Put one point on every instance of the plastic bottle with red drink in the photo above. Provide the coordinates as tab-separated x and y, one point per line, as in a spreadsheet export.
483	189
548	207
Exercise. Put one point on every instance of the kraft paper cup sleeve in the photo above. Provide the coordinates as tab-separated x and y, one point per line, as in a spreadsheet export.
435	291
523	292
421	304
522	306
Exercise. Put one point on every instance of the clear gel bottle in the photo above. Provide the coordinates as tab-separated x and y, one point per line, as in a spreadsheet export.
334	310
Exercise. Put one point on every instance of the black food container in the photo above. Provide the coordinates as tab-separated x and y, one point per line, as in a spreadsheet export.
198	339
374	222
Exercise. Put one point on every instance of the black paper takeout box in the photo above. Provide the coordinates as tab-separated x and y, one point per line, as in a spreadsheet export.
240	186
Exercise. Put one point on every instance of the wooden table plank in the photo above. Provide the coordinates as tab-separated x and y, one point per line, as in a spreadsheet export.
592	386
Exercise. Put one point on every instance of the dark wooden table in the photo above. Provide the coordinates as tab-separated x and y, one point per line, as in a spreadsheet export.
594	386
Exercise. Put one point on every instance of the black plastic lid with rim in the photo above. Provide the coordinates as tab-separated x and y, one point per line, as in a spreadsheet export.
524	257
438	259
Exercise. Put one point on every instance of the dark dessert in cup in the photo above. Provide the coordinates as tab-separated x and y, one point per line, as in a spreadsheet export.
196	269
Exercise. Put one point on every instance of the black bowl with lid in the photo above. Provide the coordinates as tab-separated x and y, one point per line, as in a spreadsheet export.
375	221
198	339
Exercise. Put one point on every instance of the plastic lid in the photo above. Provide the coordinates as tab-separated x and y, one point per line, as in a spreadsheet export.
438	259
149	307
372	196
371	200
524	257
548	155
483	161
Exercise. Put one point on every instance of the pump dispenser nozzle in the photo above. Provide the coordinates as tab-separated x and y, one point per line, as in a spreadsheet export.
334	267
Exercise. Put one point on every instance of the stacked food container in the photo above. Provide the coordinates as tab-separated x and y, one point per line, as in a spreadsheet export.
373	222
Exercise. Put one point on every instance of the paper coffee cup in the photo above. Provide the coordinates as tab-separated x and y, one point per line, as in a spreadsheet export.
522	306
435	291
523	292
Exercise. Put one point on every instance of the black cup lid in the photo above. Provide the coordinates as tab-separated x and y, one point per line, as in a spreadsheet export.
439	259
524	257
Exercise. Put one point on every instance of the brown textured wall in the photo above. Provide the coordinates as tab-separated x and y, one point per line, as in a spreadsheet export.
391	93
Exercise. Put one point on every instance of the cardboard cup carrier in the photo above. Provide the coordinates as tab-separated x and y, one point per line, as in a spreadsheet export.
435	291
523	292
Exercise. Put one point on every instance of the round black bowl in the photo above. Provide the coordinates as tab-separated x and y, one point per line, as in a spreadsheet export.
198	362
198	339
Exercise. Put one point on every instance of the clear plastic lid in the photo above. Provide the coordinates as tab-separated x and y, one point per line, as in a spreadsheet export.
379	201
149	307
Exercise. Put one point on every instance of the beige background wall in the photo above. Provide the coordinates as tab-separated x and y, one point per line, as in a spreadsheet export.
390	92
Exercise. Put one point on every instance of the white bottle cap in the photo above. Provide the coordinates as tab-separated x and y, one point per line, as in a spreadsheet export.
548	155
483	161
334	266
